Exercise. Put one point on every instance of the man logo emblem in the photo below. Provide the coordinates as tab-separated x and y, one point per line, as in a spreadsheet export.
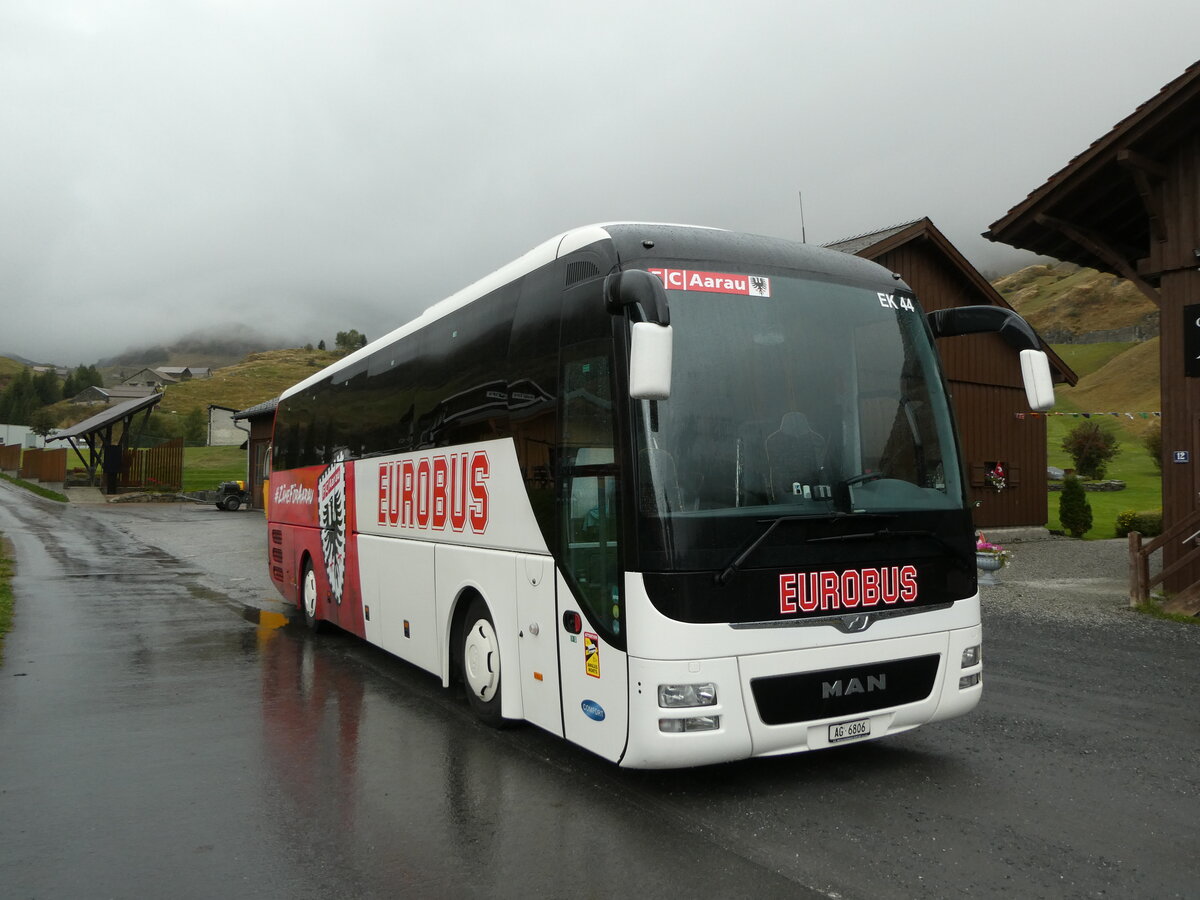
852	624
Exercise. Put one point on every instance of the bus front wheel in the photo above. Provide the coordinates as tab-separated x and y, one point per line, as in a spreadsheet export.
480	660
308	598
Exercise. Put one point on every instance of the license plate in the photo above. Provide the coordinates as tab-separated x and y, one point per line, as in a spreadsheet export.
844	731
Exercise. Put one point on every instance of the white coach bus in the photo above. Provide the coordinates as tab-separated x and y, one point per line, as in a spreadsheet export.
676	494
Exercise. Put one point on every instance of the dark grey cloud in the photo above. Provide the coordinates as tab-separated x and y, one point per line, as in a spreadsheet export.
309	167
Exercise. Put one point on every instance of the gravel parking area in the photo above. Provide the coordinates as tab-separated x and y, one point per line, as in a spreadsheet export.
1062	578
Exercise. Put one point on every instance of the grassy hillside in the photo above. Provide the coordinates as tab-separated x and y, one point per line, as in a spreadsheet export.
1085	359
259	377
1122	382
9	369
1066	298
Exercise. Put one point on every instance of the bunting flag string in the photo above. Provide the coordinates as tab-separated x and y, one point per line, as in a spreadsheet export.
1087	415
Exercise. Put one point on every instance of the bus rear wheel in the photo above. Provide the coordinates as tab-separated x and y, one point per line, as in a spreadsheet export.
308	598
480	661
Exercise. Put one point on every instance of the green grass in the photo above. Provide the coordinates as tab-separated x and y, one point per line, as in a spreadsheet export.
1085	359
206	467
6	594
1154	610
1143	483
35	488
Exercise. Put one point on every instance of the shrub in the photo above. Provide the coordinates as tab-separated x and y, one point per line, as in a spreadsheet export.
1153	444
1150	523
1091	448
1074	511
1126	522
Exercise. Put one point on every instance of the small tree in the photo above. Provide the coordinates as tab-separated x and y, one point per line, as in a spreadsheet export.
42	421
348	341
1074	511
46	387
1153	444
1091	448
195	428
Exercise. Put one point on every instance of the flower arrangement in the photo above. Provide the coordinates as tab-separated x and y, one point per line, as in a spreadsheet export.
996	477
994	551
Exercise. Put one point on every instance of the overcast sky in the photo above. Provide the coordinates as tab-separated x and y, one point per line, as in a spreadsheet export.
306	167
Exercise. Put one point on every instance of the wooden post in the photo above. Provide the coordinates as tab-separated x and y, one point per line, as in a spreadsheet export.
1139	570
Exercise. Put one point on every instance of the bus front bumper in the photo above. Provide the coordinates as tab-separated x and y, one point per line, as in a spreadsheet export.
789	702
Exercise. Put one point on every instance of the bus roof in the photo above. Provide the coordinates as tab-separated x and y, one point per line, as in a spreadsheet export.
697	242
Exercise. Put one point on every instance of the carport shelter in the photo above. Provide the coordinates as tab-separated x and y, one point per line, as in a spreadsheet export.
104	444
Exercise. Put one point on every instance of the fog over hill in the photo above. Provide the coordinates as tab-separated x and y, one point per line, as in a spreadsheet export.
220	345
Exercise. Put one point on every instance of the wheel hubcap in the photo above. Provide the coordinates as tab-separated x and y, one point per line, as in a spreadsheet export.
482	660
310	594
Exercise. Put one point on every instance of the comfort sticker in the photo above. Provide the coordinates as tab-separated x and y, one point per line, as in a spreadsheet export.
714	282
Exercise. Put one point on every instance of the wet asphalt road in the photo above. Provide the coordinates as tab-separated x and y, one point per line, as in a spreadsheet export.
156	742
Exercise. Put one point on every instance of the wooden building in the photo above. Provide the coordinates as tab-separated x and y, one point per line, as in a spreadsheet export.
1130	204
984	372
261	419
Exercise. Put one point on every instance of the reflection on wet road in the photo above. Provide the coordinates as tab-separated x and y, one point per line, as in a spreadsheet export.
163	733
156	743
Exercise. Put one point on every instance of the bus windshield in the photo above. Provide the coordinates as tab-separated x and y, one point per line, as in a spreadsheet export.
820	400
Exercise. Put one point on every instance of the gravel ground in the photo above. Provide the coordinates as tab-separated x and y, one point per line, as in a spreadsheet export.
1064	579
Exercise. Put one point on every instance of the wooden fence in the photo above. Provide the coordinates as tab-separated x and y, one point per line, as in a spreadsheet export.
156	469
10	457
1140	583
41	465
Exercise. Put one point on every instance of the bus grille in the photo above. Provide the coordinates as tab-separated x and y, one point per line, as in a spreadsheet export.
783	699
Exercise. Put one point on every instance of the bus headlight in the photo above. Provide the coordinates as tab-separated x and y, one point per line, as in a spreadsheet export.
676	696
971	656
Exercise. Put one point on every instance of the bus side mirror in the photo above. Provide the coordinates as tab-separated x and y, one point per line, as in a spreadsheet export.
641	290
1039	386
1035	367
651	344
650	352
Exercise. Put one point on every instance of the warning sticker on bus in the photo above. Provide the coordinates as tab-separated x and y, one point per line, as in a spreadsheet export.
591	654
714	282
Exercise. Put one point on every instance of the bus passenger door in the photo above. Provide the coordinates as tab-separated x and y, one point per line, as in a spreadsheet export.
594	672
595	675
536	617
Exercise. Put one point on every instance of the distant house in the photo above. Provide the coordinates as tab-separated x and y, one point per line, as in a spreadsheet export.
184	373
151	378
95	395
994	419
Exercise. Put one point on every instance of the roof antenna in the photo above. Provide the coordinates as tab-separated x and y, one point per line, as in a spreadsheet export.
803	234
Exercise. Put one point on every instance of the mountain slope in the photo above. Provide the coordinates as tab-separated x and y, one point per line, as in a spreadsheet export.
259	377
1065	303
1101	326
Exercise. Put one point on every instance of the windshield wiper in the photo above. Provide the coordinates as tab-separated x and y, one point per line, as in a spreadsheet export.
730	570
887	533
